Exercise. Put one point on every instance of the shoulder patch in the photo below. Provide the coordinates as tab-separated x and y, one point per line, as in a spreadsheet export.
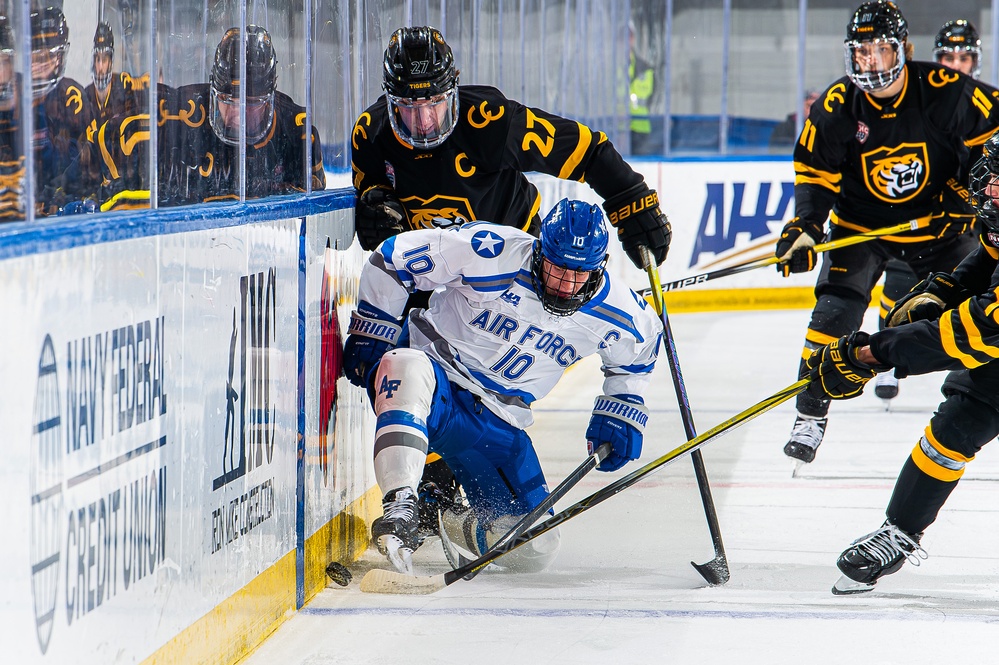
487	244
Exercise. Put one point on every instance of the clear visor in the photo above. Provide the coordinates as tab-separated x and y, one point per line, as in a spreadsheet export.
100	68
423	123
47	67
225	117
875	64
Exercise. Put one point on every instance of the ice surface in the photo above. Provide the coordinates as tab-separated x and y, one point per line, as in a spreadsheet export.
622	589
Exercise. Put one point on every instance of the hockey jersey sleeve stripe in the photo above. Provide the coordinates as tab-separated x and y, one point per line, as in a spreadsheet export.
979	140
615	317
806	175
983	350
585	139
491	283
950	339
642	368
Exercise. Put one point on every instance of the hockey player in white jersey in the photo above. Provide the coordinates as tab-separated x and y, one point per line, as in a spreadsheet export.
509	314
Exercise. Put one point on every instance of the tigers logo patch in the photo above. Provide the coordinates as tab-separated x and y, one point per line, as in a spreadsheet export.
437	211
896	175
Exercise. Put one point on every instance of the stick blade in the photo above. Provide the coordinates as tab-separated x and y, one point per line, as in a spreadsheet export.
714	572
389	581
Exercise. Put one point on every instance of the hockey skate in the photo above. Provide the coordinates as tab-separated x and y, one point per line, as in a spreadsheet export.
438	491
806	435
886	386
396	532
875	555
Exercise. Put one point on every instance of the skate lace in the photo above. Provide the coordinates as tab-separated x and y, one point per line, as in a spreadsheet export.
888	542
401	507
807	431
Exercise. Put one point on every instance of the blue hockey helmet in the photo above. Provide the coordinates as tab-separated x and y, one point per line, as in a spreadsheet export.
570	256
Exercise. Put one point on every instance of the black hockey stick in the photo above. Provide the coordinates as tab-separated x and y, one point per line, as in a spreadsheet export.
753	264
715	572
530	518
390	581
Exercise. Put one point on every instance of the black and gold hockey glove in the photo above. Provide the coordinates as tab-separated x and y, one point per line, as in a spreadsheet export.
835	370
927	300
795	249
636	215
378	215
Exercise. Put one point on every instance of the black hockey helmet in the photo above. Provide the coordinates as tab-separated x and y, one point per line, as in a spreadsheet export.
102	58
872	28
421	86
49	46
567	267
985	175
959	35
261	81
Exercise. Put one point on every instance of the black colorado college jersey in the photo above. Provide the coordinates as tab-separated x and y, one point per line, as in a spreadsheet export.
477	173
876	163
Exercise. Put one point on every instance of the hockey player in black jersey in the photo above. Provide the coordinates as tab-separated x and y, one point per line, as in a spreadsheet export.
888	143
432	152
61	115
199	132
947	322
110	94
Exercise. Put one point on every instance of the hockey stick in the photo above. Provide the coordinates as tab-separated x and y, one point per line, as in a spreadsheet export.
530	518
715	572
389	581
753	264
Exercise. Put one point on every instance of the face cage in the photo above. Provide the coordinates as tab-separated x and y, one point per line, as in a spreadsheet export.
555	304
41	87
973	50
104	81
230	136
427	139
873	81
986	207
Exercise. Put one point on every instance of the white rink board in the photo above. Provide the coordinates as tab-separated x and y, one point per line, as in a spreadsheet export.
150	420
722	213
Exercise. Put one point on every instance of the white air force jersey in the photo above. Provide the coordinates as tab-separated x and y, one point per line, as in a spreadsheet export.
487	328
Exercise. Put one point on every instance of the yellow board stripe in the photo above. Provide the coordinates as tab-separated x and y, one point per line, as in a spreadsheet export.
240	623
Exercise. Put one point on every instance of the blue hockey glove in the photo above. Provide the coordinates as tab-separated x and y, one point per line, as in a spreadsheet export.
371	334
618	420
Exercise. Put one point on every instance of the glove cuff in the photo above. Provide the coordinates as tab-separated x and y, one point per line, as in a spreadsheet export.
363	326
635	415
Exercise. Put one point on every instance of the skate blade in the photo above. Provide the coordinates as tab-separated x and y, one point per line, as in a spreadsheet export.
846	587
399	556
796	466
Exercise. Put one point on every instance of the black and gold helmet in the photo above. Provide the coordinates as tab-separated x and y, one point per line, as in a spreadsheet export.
103	48
985	185
959	35
261	81
49	47
877	32
421	86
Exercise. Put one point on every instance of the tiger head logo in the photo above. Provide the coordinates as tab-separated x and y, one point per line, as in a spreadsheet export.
896	175
437	211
